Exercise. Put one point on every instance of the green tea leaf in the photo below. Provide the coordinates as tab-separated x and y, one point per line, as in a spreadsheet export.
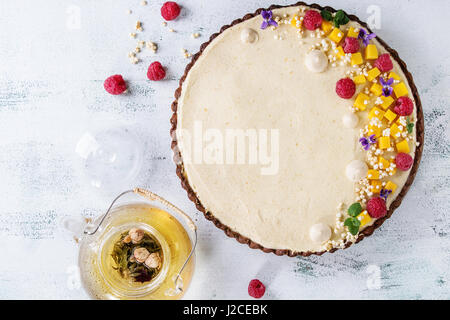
354	209
326	15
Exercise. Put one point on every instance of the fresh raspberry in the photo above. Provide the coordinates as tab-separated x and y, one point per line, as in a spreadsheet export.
345	88
115	84
384	63
156	71
170	10
403	161
376	207
351	45
404	106
312	20
256	289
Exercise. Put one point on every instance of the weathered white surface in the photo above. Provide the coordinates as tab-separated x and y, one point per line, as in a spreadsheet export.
51	76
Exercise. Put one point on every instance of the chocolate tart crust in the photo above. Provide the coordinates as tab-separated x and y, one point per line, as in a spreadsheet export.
240	238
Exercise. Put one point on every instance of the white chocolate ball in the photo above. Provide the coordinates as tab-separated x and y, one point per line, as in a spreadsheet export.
356	170
316	61
319	233
350	120
249	35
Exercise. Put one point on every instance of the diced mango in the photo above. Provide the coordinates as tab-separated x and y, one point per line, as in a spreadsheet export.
400	90
394	75
390	116
384	142
383	163
403	146
361	79
376	89
357	59
375	186
390	186
361	101
395	130
387	101
374	130
352	32
340	52
364	218
373	73
373	174
336	35
376	113
326	26
371	52
296	22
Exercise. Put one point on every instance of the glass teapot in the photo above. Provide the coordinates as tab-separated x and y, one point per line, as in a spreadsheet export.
108	263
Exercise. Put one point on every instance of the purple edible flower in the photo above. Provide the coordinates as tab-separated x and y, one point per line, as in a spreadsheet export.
365	37
387	86
366	142
268	21
384	193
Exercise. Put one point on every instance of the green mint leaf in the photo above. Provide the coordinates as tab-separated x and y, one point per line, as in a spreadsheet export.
354	209
353	225
326	15
340	19
410	127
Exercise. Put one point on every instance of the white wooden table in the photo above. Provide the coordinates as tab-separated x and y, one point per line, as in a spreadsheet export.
54	56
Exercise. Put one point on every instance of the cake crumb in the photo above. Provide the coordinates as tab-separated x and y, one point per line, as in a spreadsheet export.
129	11
133	35
143	3
195	35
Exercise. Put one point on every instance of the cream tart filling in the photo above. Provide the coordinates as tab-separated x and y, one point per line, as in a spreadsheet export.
248	78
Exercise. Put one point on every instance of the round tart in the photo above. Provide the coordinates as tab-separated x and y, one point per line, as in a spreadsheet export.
325	108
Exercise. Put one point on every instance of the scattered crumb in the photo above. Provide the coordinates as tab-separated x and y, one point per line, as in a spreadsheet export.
133	35
171	30
143	3
129	11
195	35
139	26
152	46
164	24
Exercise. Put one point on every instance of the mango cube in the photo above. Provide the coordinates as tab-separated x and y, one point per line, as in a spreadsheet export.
364	218
374	130
352	32
387	101
373	73
390	116
376	113
384	142
373	174
357	59
375	186
403	146
296	22
361	79
336	35
326	26
340	52
383	163
394	75
400	90
395	131
361	101
371	52
390	186
376	89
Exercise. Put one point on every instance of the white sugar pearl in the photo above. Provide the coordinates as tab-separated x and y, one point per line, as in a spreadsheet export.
316	61
249	35
319	233
356	170
350	120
